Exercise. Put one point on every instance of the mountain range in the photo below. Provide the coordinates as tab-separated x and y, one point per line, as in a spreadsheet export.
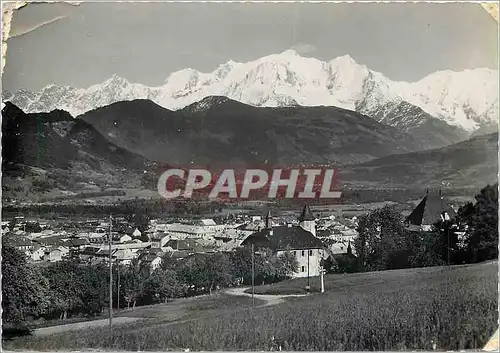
124	145
219	130
55	153
441	109
471	163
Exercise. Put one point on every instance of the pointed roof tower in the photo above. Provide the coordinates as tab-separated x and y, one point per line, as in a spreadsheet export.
430	209
269	220
306	214
349	248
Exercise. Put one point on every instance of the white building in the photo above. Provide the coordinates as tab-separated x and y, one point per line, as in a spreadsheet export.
37	253
125	238
54	254
300	240
159	240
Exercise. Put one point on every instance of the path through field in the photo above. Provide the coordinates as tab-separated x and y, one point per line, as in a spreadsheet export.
173	312
82	325
269	299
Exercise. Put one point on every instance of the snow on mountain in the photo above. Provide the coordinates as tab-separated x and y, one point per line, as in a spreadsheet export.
206	103
467	99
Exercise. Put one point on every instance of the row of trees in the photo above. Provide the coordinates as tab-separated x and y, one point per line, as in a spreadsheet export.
385	243
155	207
72	288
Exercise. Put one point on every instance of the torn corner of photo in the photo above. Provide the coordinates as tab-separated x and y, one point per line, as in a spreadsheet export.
8	9
492	345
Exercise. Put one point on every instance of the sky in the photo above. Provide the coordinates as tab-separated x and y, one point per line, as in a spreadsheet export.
145	42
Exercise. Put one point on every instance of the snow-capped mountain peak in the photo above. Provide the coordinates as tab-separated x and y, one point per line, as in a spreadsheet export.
289	52
225	68
344	60
467	99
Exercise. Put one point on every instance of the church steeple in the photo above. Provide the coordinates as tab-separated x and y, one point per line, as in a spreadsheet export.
269	220
307	221
306	214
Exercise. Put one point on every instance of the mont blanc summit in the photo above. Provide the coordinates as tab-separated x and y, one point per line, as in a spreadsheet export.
465	100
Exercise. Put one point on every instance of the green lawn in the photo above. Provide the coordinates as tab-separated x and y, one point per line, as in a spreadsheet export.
359	282
456	307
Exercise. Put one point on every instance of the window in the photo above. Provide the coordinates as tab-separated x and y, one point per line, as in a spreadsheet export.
303	269
310	252
302	252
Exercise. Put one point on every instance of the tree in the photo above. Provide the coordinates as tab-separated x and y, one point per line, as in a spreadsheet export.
215	271
286	265
464	214
241	264
427	249
140	220
66	287
342	263
24	289
32	227
382	240
269	267
162	285
95	282
482	235
132	283
328	264
447	244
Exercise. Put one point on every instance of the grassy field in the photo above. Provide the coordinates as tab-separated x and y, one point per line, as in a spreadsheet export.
455	307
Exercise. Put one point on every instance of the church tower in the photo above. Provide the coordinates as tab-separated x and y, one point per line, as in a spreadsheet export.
349	249
307	221
269	222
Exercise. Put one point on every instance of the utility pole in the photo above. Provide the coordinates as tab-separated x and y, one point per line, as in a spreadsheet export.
253	275
322	272
448	236
446	227
110	279
308	287
118	285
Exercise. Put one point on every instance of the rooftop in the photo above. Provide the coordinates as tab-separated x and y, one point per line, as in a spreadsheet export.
430	209
284	237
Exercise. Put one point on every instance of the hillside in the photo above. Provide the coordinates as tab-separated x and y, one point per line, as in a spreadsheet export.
218	130
454	307
470	163
54	153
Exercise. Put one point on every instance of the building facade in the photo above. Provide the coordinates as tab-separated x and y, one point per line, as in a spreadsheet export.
299	240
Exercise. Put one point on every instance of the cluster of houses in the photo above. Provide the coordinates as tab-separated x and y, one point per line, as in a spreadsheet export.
309	238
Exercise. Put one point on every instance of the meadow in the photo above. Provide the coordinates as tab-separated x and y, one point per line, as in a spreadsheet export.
452	307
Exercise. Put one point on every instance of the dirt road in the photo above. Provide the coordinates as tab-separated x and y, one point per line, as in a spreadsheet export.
269	299
82	325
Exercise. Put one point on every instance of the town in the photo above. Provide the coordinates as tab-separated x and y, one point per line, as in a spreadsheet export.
152	242
155	261
158	240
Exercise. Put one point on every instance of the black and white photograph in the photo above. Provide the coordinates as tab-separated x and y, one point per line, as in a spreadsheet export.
250	176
